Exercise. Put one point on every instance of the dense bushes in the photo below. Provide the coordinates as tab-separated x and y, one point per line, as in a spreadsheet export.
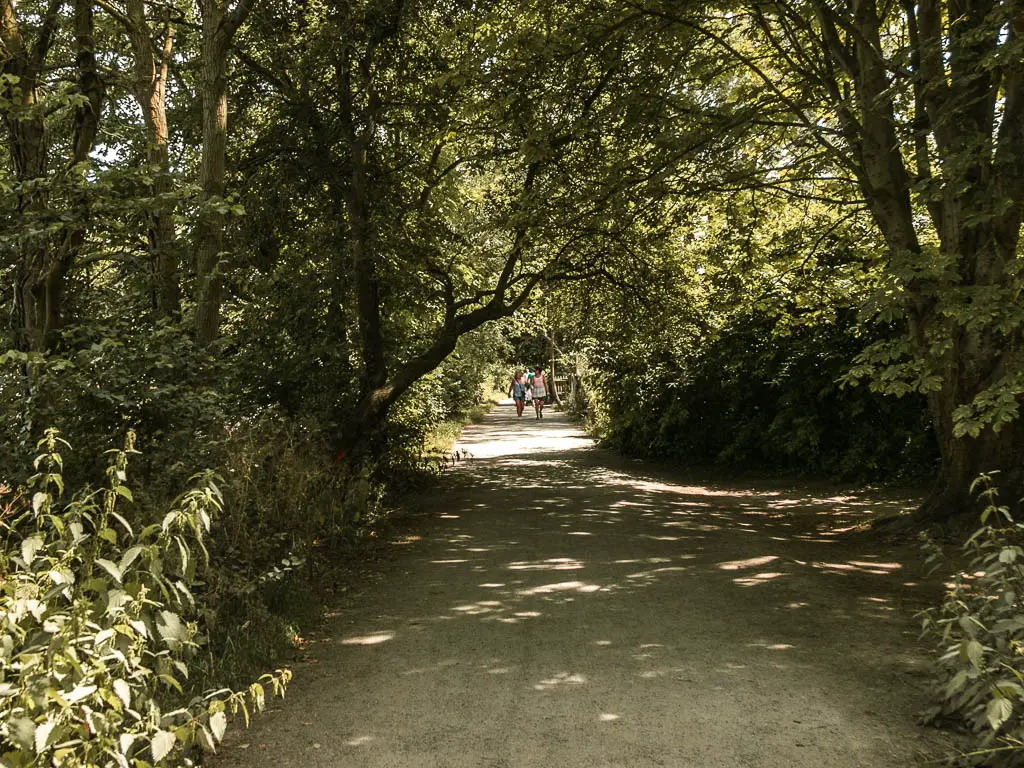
286	494
106	378
754	398
101	575
730	343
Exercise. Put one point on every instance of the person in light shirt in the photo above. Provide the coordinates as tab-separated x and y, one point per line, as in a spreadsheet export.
518	393
539	387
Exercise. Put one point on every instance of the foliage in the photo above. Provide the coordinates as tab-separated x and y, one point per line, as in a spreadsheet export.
978	631
883	101
100	623
282	490
109	375
722	216
753	399
734	348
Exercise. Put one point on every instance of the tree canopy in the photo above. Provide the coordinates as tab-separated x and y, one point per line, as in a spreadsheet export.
308	207
287	246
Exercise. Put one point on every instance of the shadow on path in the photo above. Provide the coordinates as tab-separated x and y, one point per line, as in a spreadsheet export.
565	608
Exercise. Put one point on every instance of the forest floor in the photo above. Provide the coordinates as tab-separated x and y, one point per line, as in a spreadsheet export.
558	606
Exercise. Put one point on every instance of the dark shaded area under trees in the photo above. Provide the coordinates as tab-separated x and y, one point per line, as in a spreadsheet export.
735	349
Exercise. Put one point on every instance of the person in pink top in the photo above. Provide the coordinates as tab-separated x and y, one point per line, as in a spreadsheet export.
540	390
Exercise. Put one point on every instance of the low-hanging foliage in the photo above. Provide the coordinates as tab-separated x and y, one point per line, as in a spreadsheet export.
732	347
98	624
978	631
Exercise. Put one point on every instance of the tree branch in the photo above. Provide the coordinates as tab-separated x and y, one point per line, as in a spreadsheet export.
45	39
770	82
118	15
235	18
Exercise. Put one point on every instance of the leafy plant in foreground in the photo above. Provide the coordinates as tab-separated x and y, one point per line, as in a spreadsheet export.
979	631
98	624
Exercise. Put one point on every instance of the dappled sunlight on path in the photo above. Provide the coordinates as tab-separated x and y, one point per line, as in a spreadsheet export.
567	607
503	434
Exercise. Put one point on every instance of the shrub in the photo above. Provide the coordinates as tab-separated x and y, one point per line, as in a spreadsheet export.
979	631
98	624
756	396
104	377
282	487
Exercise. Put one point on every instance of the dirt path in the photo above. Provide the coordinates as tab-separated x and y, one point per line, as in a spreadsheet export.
565	607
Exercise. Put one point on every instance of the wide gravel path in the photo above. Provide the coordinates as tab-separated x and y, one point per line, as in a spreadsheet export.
562	607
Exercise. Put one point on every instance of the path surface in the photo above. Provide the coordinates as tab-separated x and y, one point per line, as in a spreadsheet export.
563	607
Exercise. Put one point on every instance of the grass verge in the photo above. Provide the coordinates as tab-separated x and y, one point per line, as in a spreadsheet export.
440	439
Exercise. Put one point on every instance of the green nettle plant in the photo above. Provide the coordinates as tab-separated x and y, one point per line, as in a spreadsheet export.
98	624
979	631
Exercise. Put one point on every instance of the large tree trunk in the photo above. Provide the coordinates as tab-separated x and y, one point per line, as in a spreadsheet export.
27	141
211	177
975	203
978	220
219	28
963	460
359	121
364	267
150	89
46	260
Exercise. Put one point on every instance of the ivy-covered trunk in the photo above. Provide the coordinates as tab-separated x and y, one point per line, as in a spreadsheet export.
26	134
47	254
961	356
974	407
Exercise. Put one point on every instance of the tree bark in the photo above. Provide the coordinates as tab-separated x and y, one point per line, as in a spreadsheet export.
973	195
46	260
219	25
364	262
150	89
214	95
26	129
360	112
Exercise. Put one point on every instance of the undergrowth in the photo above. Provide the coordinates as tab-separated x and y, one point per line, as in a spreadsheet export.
440	439
101	621
117	634
979	634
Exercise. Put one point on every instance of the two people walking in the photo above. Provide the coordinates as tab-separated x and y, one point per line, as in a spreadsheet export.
531	387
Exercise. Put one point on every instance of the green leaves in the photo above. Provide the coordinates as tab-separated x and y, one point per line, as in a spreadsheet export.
30	546
172	630
110	568
123	691
736	346
162	744
998	711
979	630
972	651
106	629
995	407
42	736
